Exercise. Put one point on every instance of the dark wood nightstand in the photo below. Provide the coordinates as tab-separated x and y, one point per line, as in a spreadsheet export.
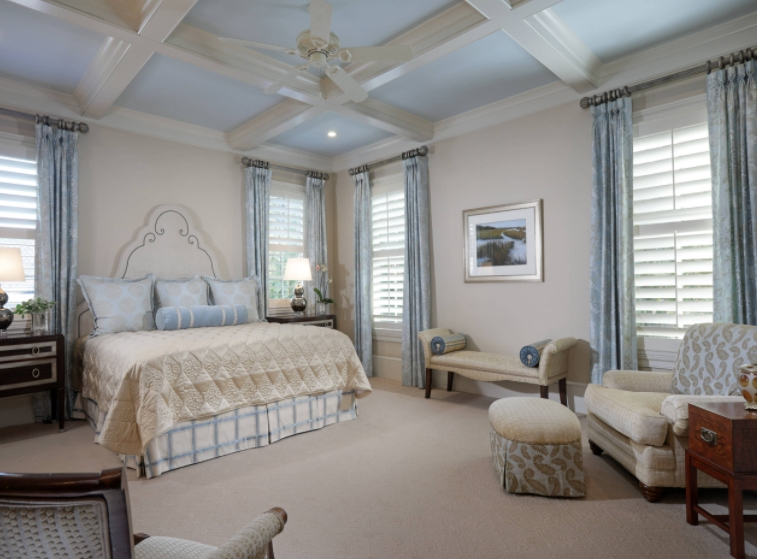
722	444
31	364
326	320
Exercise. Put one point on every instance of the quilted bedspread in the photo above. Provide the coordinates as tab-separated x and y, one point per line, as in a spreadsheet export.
147	382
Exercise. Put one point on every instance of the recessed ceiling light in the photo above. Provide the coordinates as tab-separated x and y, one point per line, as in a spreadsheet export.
331	134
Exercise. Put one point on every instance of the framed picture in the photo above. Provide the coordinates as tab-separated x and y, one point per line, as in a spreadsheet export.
504	243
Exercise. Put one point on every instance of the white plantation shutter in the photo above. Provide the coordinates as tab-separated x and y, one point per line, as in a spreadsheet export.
388	230
18	193
672	198
286	237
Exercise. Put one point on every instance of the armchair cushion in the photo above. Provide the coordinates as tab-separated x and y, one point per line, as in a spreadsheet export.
710	357
172	548
638	381
676	409
634	414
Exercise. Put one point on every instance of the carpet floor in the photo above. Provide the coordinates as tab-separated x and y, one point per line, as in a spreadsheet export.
411	478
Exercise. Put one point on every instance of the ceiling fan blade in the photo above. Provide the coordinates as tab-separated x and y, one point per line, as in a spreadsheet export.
391	53
285	80
320	21
347	83
254	45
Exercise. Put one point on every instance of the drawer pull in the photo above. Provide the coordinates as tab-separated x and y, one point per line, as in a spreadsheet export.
35	373
710	437
35	350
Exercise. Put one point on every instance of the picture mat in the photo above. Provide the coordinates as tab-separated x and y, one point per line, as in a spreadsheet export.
507	215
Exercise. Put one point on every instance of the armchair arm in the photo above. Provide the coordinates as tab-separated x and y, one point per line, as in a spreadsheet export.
676	409
256	539
554	359
425	338
639	381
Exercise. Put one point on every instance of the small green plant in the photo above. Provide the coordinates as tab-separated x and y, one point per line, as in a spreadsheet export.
321	299
35	306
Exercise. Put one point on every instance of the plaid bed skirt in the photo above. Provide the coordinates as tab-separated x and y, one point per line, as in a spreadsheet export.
198	440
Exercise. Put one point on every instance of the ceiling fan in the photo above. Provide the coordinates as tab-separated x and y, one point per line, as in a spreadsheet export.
319	46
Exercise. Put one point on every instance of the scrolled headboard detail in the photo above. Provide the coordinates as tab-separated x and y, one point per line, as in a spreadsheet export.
169	245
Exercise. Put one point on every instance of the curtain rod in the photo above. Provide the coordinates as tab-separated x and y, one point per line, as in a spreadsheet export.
82	127
423	150
724	61
248	162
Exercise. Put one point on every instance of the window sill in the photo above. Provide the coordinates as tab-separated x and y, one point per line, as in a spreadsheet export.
658	353
387	334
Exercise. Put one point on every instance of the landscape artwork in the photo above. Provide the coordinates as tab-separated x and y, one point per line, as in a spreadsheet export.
504	243
501	243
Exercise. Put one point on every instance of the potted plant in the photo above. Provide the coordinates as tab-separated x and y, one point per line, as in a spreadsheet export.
39	309
322	282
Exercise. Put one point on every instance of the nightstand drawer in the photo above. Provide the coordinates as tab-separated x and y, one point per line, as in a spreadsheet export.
27	351
27	373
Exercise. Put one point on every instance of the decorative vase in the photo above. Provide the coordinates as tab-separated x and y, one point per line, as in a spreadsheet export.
321	309
40	324
748	385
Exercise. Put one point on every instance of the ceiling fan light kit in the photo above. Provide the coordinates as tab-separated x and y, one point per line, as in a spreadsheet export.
319	46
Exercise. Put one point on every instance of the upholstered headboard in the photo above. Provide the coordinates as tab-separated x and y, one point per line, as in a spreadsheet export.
168	245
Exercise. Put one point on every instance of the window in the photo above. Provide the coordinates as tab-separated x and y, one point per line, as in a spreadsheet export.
18	220
388	224
286	239
672	198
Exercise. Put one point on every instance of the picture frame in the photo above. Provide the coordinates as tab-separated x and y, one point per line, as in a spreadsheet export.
504	243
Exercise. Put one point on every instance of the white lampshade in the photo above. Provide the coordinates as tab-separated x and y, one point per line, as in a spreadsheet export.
11	266
298	269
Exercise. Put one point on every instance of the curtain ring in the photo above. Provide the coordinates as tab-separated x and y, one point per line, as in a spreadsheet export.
707	67
721	63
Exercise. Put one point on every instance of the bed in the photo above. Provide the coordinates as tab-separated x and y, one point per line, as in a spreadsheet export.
167	399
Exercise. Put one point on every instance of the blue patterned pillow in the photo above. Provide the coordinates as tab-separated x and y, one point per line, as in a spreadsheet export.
190	292
202	316
236	292
119	305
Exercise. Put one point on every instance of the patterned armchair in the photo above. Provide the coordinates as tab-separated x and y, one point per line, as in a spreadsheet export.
641	419
86	516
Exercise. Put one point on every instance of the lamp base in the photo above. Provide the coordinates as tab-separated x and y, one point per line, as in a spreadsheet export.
6	315
299	303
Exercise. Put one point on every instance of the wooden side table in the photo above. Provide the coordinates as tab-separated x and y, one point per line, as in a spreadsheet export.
31	364
326	320
722	444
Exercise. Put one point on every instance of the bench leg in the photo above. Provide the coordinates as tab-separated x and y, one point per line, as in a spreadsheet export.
428	383
449	381
544	392
563	383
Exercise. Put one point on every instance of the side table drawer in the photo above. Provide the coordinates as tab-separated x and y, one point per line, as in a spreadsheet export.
27	351
27	373
711	439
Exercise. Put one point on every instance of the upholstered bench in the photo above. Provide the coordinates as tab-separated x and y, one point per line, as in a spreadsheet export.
494	367
536	447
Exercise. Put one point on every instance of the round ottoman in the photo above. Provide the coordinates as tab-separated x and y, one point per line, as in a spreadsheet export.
536	447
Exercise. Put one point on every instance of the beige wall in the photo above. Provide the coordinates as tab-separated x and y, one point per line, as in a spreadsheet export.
546	155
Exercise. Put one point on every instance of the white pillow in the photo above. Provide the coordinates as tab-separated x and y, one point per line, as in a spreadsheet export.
119	305
236	292
190	292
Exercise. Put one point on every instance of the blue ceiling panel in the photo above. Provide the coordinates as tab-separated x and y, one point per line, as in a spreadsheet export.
483	72
613	29
177	90
311	136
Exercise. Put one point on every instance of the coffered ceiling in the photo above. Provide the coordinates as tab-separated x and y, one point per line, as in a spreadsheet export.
123	63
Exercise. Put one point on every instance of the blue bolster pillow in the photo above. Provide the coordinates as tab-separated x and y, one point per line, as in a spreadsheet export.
200	316
531	354
445	344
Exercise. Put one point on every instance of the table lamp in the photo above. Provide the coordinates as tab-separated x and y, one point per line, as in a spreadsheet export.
11	269
298	269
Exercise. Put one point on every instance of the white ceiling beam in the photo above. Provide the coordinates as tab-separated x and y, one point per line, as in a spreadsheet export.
115	65
118	62
275	121
387	117
540	32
